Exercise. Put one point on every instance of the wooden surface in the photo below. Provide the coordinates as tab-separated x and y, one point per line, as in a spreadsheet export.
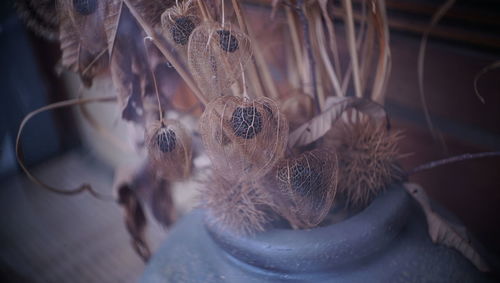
51	238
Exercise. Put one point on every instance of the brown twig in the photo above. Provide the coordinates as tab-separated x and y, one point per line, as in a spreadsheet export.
453	159
82	188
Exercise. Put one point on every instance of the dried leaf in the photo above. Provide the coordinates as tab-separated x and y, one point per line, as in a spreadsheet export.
334	107
135	220
162	203
131	68
443	232
83	41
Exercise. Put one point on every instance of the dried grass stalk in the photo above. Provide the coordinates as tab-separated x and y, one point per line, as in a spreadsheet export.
309	181
244	208
169	147
243	138
368	155
217	56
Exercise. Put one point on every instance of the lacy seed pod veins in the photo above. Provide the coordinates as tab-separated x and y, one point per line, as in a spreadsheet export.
181	30
166	140
85	7
227	41
246	122
243	138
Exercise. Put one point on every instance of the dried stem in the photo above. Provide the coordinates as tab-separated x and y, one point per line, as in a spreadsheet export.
307	43
454	159
260	63
421	59
162	46
351	39
483	71
19	155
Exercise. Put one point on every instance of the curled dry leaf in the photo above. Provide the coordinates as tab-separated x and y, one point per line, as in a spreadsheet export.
334	108
443	232
243	138
244	208
309	181
83	39
131	67
169	148
217	56
368	159
135	220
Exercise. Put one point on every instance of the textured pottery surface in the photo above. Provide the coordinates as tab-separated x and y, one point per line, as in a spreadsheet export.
386	242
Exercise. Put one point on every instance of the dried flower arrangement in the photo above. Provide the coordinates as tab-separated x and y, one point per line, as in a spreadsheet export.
273	154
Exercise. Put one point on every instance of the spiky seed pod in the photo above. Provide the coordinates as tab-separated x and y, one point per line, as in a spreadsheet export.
244	208
169	147
368	156
243	138
217	56
310	182
179	21
85	7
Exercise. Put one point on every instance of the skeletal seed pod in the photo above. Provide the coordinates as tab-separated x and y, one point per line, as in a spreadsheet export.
246	122
309	181
166	140
181	30
217	56
85	7
179	21
244	208
169	148
243	138
227	41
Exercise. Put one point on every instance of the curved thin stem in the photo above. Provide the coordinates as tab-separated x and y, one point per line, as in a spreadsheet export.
453	159
66	103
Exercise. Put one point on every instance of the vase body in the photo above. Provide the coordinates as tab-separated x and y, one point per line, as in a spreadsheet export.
386	242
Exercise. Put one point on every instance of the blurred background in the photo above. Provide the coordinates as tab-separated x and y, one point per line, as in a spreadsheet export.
51	238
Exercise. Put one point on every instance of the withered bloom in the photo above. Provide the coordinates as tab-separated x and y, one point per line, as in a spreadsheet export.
169	147
309	182
243	138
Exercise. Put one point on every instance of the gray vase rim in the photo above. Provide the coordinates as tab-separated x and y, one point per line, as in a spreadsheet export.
323	248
